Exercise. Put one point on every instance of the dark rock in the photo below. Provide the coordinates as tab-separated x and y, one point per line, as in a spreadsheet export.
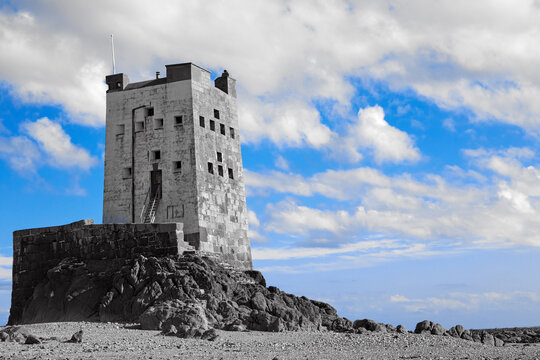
466	335
497	341
31	339
368	324
438	329
191	293
476	336
77	337
401	329
210	335
14	334
488	339
424	327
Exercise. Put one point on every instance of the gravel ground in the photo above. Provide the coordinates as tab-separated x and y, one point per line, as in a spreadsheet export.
121	341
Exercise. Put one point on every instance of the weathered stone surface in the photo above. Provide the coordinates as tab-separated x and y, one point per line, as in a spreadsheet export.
31	340
401	329
189	292
14	334
76	337
368	324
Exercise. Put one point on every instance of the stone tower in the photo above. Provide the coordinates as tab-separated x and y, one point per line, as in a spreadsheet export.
172	154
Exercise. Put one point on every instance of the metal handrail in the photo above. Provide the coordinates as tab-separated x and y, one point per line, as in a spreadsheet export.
144	204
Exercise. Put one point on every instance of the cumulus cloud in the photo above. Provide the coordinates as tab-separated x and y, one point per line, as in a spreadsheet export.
503	211
21	153
43	142
480	55
371	131
57	146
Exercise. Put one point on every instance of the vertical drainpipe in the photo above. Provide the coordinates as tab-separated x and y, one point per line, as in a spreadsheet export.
133	160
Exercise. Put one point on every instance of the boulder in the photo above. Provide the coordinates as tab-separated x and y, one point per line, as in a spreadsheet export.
14	334
438	329
76	338
488	339
368	324
423	327
401	329
31	340
174	313
466	335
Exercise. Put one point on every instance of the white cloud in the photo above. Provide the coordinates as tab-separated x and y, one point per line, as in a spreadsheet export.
281	163
481	55
57	145
467	301
21	154
371	131
497	211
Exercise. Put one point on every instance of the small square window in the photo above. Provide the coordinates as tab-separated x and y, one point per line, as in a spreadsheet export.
231	175
177	166
150	111
232	132
216	114
120	129
201	121
220	170
139	126
222	129
219	156
210	168
212	125
178	120
126	172
156	155
158	123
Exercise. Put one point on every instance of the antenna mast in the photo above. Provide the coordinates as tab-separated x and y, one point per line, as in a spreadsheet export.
113	62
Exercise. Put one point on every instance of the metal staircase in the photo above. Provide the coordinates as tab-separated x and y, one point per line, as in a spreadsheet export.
151	203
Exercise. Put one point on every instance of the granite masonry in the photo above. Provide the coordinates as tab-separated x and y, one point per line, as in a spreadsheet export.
172	154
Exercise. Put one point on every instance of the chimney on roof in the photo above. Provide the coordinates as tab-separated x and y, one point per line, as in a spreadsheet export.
226	84
157	74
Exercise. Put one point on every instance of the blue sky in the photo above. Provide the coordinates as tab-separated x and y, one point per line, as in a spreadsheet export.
390	149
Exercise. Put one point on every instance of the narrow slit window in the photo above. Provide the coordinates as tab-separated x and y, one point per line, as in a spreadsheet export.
220	170
177	166
222	129
201	121
231	174
212	125
120	129
126	172
210	168
232	132
156	155
178	120
219	156
216	114
158	123
139	126
150	111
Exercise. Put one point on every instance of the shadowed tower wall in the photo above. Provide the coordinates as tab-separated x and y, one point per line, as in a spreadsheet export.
172	154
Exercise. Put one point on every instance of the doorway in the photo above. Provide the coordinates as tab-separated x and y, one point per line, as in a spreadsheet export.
155	184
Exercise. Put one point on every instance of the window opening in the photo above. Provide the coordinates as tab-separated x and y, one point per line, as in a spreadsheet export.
212	125
178	120
150	111
177	166
120	129
219	156
222	129
126	172
210	168
139	126
232	132
201	121
231	175
220	170
156	155
216	114
158	123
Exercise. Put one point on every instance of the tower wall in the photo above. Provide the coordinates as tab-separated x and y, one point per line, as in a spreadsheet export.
182	129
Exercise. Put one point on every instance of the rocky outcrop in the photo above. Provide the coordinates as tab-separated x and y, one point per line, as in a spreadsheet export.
458	331
160	293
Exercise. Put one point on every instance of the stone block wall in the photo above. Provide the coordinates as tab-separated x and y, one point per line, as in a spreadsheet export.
35	251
